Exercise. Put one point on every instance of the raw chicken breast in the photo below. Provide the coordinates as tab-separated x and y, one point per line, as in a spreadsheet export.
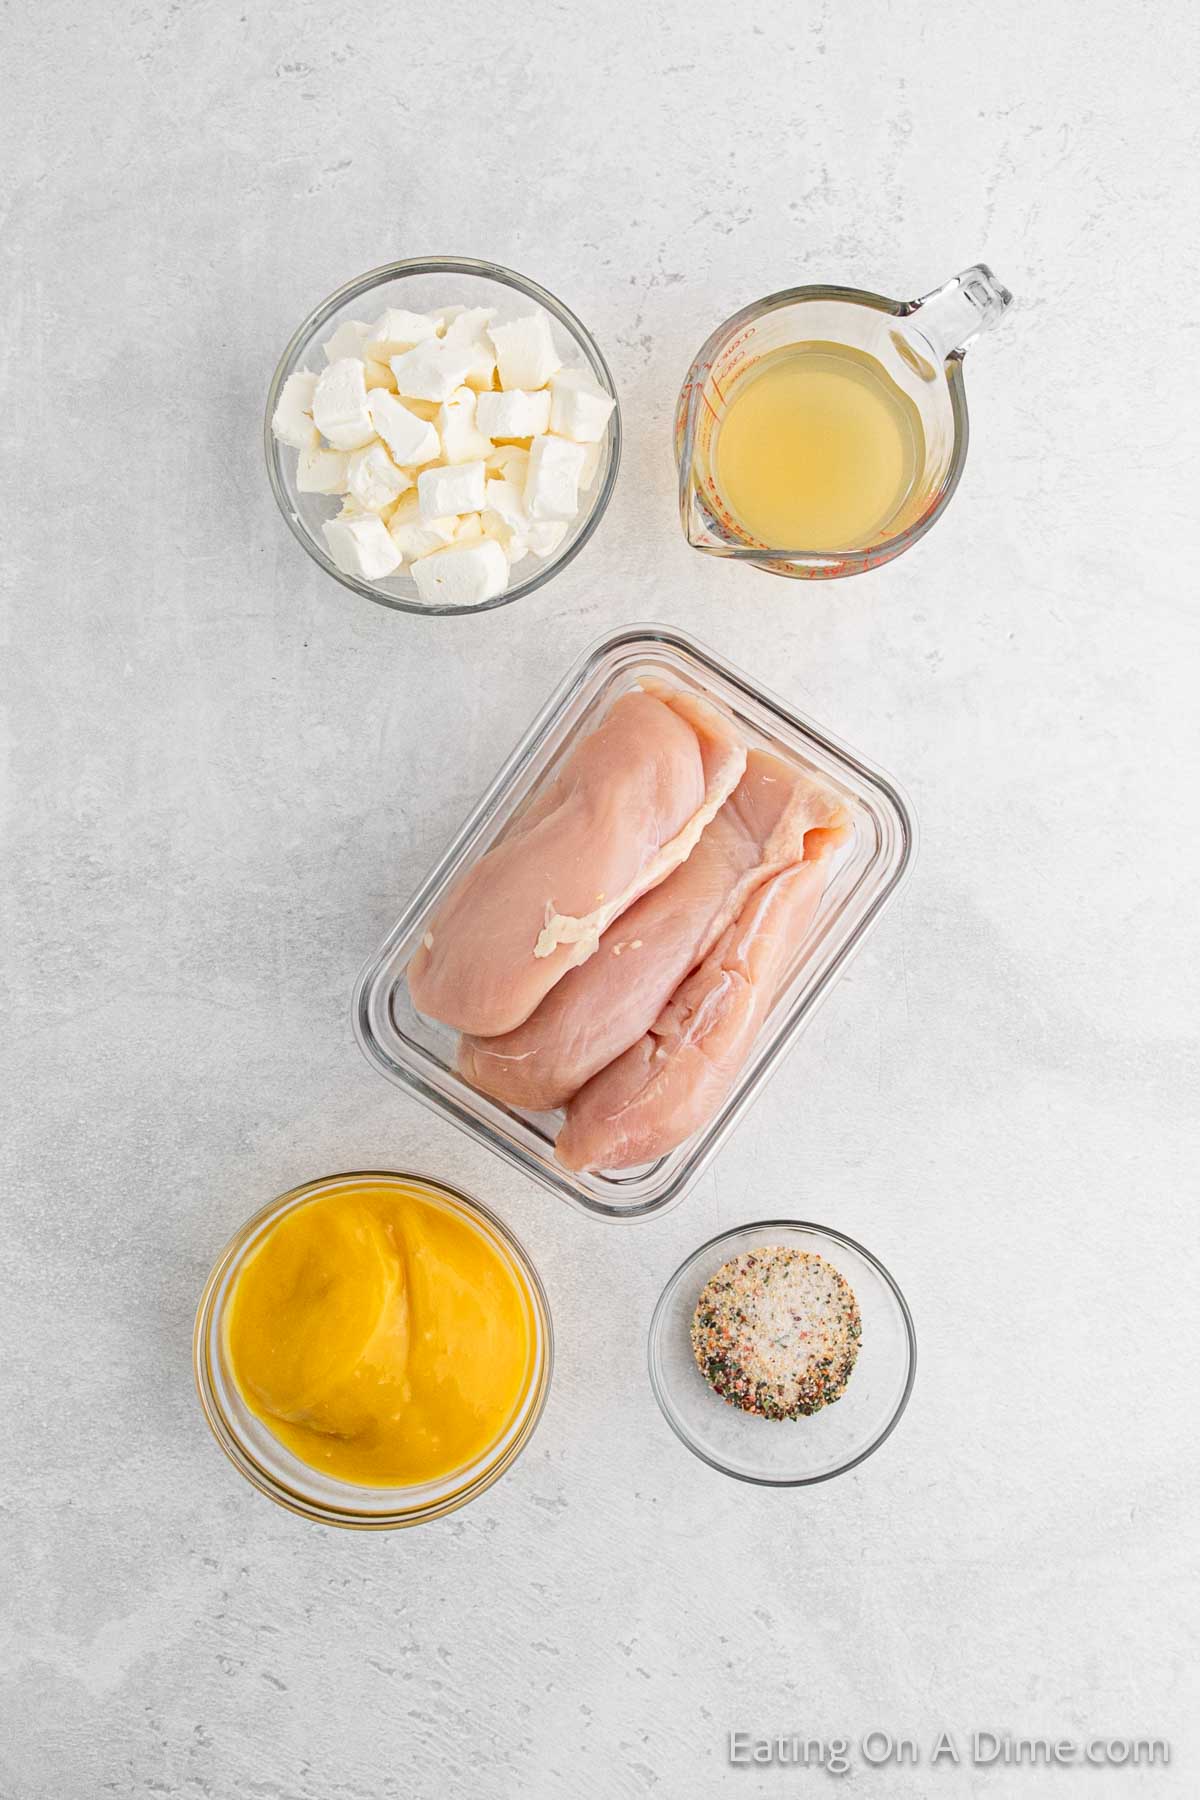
627	807
599	1009
674	1079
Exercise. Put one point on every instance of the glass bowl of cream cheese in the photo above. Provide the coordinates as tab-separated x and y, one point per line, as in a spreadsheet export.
447	383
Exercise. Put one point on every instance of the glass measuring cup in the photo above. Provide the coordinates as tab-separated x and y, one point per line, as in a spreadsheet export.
919	346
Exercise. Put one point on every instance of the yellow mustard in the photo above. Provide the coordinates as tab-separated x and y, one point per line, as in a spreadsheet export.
381	1336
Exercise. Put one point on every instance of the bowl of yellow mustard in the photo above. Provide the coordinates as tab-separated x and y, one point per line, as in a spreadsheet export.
373	1349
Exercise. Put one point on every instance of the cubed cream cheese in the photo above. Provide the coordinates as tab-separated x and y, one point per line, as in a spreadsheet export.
373	478
453	488
591	467
292	420
463	574
396	331
414	536
462	441
525	352
515	548
361	546
579	407
545	535
467	331
515	413
432	370
340	405
347	340
505	519
507	501
446	399
552	481
509	462
322	471
378	375
466	323
410	440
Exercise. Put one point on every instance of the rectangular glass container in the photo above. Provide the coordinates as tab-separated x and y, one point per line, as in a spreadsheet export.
419	1053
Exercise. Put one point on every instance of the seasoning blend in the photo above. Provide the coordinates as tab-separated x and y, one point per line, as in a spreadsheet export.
776	1332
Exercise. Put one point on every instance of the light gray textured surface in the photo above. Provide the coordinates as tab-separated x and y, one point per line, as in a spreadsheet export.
225	774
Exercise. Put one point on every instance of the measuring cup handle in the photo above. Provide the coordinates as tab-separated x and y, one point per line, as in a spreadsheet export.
951	317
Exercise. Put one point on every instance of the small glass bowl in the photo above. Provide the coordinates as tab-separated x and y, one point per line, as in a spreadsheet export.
423	284
785	1452
264	1460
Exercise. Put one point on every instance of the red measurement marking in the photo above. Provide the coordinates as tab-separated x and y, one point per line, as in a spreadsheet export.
716	415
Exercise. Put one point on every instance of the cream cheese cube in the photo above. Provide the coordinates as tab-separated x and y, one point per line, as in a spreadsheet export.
456	423
468	331
515	413
544	536
378	375
373	478
322	471
466	323
507	502
347	340
340	405
579	407
462	574
411	441
398	330
469	528
509	462
452	488
506	520
591	467
415	537
292	420
552	481
525	352
361	546
432	370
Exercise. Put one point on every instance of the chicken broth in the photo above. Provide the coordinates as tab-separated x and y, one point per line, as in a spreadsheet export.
818	450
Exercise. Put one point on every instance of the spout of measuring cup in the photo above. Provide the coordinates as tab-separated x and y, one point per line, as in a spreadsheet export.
951	317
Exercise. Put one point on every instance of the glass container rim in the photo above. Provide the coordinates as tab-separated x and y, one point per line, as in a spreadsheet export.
441	265
654	1335
243	1460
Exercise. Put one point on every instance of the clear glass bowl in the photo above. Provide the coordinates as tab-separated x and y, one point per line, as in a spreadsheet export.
270	1467
785	1452
423	284
420	1053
